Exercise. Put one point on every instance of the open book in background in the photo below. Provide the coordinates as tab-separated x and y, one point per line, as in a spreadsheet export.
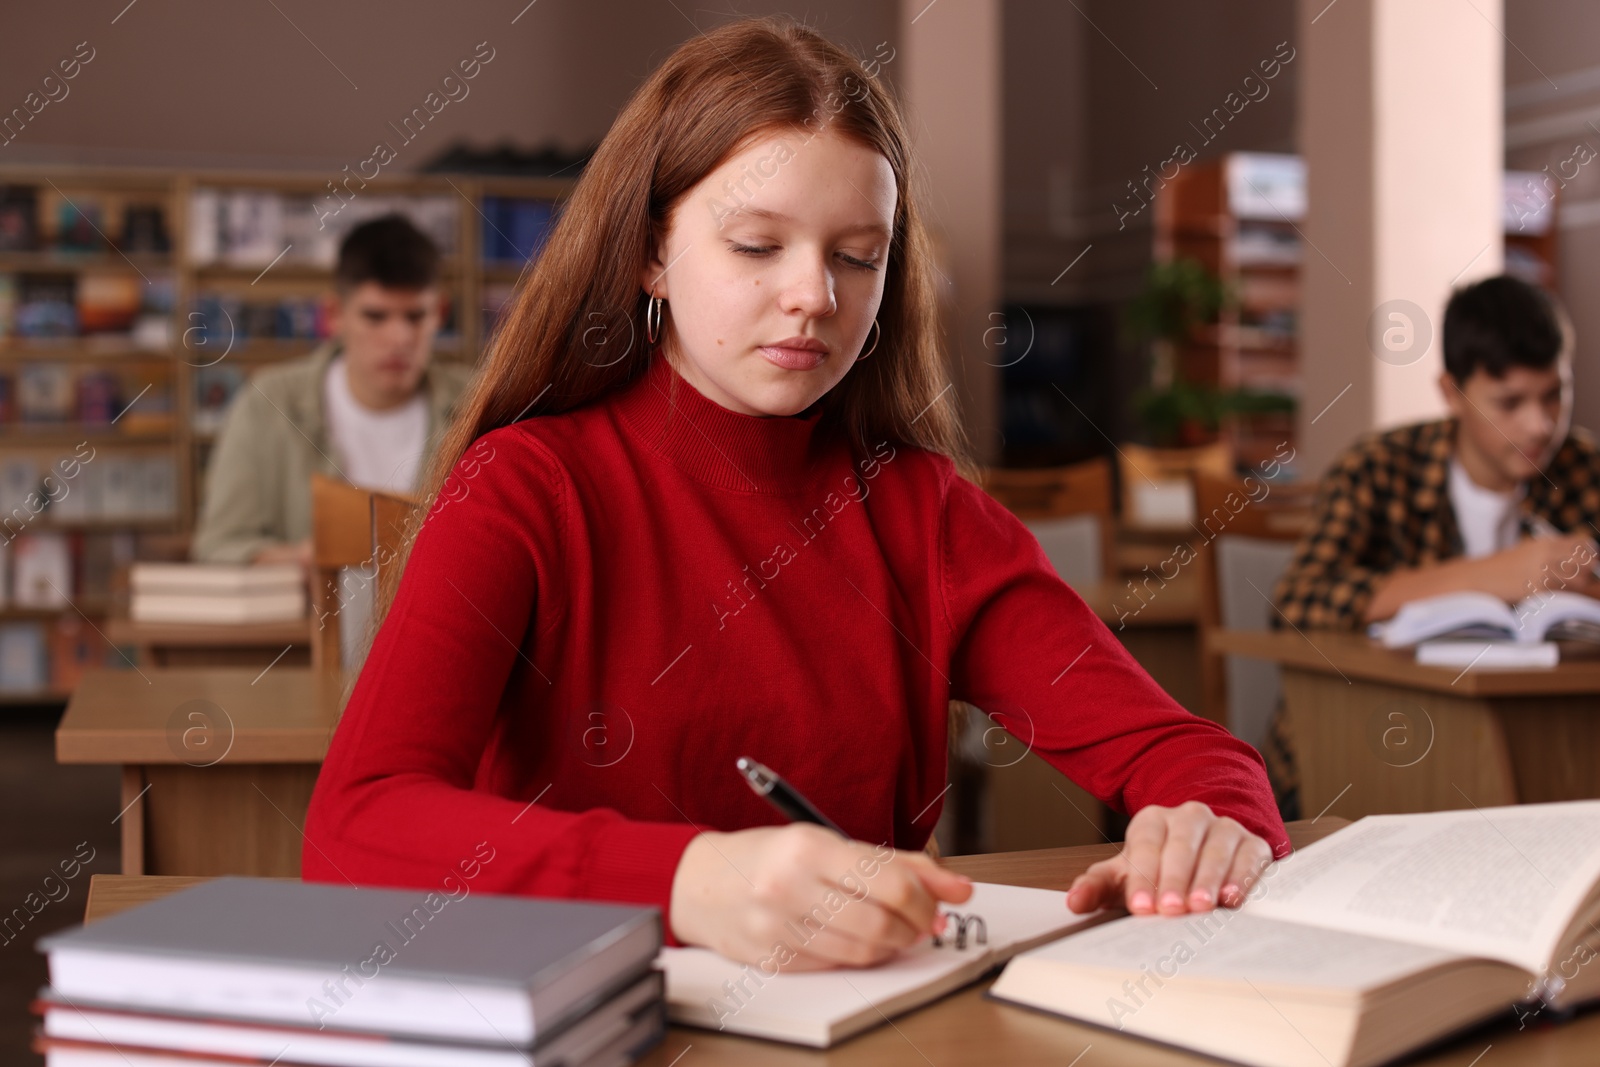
1555	616
820	1008
1378	939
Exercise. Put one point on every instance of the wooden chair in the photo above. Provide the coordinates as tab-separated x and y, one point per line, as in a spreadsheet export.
1000	800
350	527
1232	512
1039	496
1157	483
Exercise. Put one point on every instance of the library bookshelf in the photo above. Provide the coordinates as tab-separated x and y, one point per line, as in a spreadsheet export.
1239	214
133	303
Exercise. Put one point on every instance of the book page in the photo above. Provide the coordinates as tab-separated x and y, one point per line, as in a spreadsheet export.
1435	616
1502	883
1540	613
707	989
1237	946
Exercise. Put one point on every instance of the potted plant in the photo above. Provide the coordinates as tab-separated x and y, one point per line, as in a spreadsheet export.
1178	296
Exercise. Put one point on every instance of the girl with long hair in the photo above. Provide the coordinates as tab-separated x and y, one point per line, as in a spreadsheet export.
708	497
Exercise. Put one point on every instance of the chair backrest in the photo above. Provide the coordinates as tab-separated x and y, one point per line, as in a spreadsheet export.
1068	509
1245	535
356	528
1158	483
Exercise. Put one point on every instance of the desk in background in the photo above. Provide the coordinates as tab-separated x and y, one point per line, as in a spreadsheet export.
966	1030
1378	733
217	763
167	644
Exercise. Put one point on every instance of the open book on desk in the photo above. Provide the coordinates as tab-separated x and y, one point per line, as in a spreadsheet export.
1552	616
820	1008
1376	940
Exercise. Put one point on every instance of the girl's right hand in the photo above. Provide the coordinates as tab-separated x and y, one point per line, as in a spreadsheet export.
800	897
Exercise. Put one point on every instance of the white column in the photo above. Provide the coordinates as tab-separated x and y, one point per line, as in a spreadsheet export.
1401	126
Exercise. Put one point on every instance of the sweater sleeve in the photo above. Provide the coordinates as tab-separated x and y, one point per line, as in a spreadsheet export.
397	801
1032	655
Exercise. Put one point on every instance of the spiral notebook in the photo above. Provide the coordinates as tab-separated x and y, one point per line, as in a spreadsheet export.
821	1008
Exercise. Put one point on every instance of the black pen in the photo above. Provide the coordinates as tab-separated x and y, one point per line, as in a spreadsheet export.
783	796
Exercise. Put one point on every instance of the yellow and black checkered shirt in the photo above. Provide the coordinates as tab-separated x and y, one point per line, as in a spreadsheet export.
1385	504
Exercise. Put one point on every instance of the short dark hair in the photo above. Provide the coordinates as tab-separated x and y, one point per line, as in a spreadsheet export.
1500	323
388	250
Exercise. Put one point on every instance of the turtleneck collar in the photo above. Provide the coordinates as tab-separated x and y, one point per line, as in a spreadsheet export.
721	448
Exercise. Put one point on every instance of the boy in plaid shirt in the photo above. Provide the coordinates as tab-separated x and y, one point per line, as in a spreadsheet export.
1503	496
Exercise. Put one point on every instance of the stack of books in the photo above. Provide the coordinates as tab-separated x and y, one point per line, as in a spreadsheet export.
216	592
274	971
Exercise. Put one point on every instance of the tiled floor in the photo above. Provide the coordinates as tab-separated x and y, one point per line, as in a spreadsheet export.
48	813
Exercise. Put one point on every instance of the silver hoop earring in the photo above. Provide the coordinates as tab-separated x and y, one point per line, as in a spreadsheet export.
875	340
652	313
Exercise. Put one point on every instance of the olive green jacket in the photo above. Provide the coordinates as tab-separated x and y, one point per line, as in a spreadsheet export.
258	481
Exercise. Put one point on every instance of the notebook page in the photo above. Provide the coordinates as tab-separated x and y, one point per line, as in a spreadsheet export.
1502	883
707	989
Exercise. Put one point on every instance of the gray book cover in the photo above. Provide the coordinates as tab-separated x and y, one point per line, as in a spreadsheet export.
484	939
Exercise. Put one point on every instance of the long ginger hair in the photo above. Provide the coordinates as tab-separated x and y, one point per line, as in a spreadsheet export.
574	331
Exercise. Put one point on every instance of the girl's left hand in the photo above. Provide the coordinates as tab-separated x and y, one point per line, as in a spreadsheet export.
1175	860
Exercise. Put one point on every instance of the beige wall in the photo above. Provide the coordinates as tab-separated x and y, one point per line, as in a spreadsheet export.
1401	136
182	82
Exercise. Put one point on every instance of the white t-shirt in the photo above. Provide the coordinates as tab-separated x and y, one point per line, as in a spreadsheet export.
1488	521
374	449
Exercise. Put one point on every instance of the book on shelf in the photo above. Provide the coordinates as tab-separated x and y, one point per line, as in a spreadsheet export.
8	306
108	301
515	227
44	392
24	659
1383	937
1555	616
249	228
822	1008
46	305
459	971
144	230
41	570
79	225
214	390
19	218
74	647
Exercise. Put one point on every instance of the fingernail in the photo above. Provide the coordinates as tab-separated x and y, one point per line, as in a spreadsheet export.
1171	899
1200	898
1231	894
1142	901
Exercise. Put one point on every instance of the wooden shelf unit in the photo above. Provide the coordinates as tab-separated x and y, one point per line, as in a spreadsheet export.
466	279
1256	252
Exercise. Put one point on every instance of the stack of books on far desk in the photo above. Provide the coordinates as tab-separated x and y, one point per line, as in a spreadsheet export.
216	592
241	970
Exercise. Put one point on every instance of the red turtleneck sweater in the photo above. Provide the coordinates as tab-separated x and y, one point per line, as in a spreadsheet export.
607	608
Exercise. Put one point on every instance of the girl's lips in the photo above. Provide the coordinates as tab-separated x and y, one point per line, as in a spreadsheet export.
793	358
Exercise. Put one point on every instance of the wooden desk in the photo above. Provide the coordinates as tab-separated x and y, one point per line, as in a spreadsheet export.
168	644
217	763
1376	732
964	1028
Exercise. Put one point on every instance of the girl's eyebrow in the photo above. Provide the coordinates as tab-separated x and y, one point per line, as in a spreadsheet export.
877	228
